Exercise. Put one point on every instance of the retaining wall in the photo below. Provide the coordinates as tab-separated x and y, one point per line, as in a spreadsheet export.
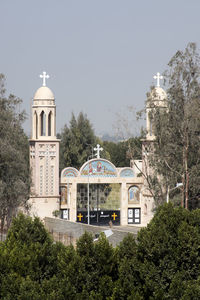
68	232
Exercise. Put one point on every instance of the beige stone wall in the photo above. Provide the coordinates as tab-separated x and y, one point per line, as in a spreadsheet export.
144	204
43	207
44	155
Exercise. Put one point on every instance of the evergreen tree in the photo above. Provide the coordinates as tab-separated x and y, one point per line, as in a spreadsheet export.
14	156
28	259
77	142
168	253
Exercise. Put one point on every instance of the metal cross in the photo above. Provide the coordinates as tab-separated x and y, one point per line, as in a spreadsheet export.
158	77
44	76
80	216
114	216
98	149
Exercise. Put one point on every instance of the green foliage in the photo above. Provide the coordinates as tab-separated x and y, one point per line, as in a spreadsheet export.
163	263
77	142
175	157
168	247
28	257
14	156
122	152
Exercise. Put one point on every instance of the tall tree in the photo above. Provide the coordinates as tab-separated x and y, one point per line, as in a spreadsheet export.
176	154
14	161
77	142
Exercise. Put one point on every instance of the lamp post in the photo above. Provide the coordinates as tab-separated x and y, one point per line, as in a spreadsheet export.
88	196
88	189
178	185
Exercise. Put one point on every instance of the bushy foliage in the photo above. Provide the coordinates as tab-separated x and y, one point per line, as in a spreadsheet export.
163	263
14	156
77	142
122	152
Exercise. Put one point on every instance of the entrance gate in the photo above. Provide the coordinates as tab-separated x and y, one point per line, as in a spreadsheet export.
104	203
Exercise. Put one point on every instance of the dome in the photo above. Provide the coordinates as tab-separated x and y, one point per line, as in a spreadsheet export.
44	93
158	93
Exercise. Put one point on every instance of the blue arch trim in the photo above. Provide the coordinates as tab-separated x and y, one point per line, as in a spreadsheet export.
127	172
69	172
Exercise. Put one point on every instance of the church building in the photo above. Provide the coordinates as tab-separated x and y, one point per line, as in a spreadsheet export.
97	194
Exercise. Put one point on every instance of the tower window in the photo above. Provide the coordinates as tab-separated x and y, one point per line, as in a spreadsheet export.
43	123
36	124
49	123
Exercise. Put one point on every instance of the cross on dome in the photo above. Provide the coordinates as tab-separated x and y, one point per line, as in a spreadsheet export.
98	149
44	76
158	77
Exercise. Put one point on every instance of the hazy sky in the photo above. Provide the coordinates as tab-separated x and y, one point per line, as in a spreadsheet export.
101	55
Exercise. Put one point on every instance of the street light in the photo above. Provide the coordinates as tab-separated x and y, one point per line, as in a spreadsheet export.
88	189
178	185
88	204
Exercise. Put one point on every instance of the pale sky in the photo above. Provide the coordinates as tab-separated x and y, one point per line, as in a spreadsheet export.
101	55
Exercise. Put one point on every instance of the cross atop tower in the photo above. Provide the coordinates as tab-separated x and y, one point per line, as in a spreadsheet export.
98	149
44	76
158	77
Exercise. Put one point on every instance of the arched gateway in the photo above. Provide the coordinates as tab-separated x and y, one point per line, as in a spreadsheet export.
100	190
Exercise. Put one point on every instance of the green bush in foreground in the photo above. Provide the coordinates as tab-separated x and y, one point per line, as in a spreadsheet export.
163	263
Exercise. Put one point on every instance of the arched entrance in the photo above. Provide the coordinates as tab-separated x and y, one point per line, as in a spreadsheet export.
99	193
98	197
104	203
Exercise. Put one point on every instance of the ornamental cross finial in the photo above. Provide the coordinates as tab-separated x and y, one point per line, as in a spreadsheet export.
158	77
44	76
98	149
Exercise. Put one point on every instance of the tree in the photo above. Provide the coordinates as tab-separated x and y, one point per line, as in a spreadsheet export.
168	253
176	152
14	157
122	152
28	260
99	266
77	142
128	283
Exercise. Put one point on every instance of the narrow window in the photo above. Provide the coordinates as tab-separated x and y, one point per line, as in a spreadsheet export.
49	123
43	123
36	124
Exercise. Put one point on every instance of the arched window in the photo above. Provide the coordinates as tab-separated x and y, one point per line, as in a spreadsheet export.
35	125
49	123
134	194
43	123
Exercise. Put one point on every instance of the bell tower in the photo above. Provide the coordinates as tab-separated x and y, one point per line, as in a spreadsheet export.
156	99
44	153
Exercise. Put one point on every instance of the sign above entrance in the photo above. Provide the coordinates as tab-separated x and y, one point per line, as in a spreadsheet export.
98	168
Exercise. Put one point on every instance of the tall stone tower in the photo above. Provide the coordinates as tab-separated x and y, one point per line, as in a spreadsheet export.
156	99
44	154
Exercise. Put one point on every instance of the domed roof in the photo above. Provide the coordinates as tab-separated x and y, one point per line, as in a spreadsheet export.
44	93
158	93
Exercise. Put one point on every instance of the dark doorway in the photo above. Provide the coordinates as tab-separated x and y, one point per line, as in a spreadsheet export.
104	203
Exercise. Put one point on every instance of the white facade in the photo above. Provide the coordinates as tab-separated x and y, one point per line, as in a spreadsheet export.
134	201
128	179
